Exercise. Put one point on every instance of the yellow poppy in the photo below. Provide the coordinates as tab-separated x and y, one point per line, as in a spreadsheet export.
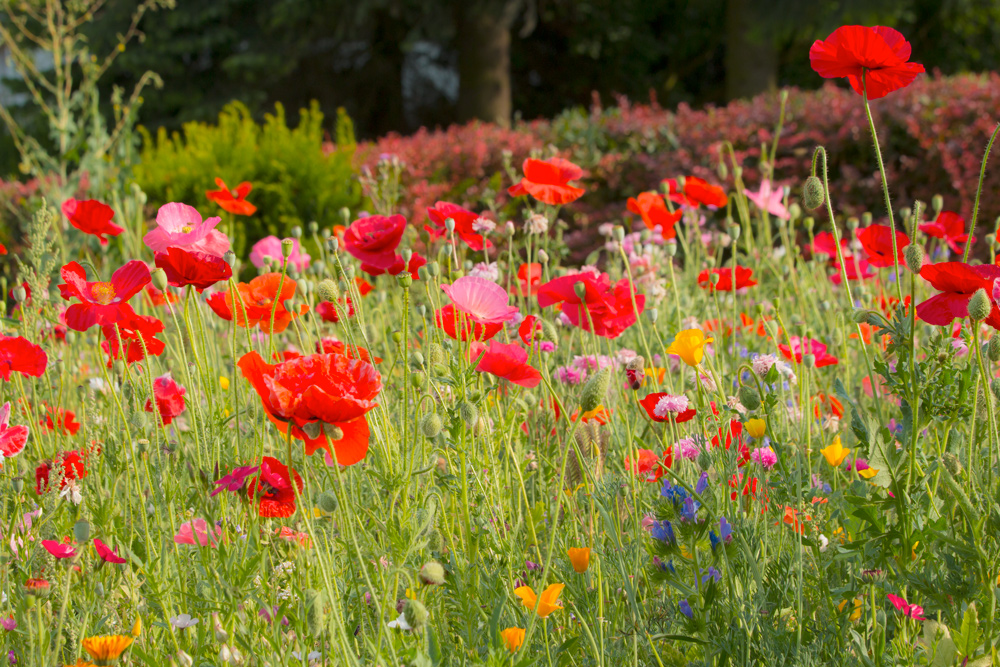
835	453
549	601
107	647
512	638
756	427
855	613
223	382
137	626
580	558
689	345
868	473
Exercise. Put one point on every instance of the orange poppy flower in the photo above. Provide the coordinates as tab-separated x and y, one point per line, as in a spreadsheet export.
258	298
600	414
791	518
234	201
548	181
653	210
827	403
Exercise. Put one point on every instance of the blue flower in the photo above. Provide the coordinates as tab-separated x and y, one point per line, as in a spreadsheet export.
686	609
711	573
664	532
702	484
665	566
725	535
675	494
689	512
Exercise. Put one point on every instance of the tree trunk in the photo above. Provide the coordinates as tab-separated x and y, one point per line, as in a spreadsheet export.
483	39
751	56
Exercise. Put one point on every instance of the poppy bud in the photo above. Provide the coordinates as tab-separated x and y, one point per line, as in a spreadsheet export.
549	332
468	412
635	372
434	540
316	611
794	211
405	279
159	278
809	360
313	226
415	613
914	256
333	244
704	460
937	203
424	273
619	233
81	531
749	397
543	256
449	224
813	193
349	272
327	290
980	306
416	358
596	390
345	215
433	268
431	425
653	314
715	278
809	223
418	379
312	429
952	463
99	590
990	239
993	348
333	431
735	230
432	573
436	354
580	289
722	170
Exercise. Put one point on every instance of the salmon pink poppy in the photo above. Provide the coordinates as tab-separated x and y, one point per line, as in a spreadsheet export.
234	481
101	302
273	488
481	299
106	554
181	226
138	337
322	398
876	240
18	354
770	199
507	361
878	54
548	181
235	200
198	269
950	227
373	239
696	192
12	438
92	217
811	346
664	407
604	309
652	208
464	220
459	326
169	398
269	248
199	532
71	465
529	276
957	282
744	279
253	303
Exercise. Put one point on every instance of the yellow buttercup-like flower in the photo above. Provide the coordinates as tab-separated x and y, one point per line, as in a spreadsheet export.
223	382
755	427
580	558
835	453
689	345
855	613
512	638
549	602
107	647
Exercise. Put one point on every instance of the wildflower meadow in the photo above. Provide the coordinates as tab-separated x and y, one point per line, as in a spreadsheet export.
742	427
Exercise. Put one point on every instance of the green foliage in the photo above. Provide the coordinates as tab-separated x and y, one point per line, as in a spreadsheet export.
296	180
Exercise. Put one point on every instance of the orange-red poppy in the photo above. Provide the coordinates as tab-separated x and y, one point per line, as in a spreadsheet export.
234	201
256	301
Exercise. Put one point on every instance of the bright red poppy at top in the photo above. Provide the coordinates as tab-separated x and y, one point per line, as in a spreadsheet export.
652	208
950	227
101	302
548	181
234	201
876	241
744	278
92	217
957	282
880	54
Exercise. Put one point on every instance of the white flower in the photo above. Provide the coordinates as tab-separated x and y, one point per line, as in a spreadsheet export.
483	225
823	542
98	384
537	224
486	271
183	621
72	491
400	623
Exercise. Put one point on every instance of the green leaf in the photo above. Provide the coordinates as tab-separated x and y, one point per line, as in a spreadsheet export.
968	639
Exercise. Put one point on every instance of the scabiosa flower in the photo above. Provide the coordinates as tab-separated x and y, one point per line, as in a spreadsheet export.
663	407
489	272
483	225
764	457
688	449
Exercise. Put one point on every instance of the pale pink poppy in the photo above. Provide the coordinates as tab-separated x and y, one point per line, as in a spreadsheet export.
59	549
107	554
12	438
270	247
482	300
180	226
768	200
196	532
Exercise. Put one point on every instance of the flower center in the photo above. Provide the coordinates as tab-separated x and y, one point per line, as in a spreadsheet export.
103	293
186	229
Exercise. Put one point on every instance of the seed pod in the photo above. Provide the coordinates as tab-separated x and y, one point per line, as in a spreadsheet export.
813	193
327	290
327	502
431	425
859	315
468	412
993	348
749	397
416	358
288	246
432	573
333	431
414	611
914	256
980	305
405	279
596	390
81	531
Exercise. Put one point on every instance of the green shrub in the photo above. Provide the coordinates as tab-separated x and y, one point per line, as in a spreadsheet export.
294	180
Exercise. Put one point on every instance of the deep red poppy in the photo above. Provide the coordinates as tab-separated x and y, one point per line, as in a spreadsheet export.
139	336
273	488
416	261
92	217
333	346
234	201
3	249
463	218
876	240
650	466
323	398
327	311
59	420
805	345
744	278
824	244
459	326
957	282
606	310
218	302
18	354
856	269
529	276
169	398
548	181
530	327
697	191
198	269
72	464
256	300
373	240
652	208
949	226
507	361
101	302
650	402
749	486
878	53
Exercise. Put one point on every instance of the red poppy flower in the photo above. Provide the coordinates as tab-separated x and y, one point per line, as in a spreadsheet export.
876	240
323	398
652	208
948	226
505	361
749	486
855	268
605	310
3	249
331	346
101	302
744	278
256	300
697	191
823	244
169	398
880	54
459	326
827	403
273	487
234	201
92	217
651	403
327	311
72	465
19	354
198	269
416	261
529	276
12	438
530	327
650	466
548	181
59	420
463	219
957	282
810	346
139	336
373	240
106	554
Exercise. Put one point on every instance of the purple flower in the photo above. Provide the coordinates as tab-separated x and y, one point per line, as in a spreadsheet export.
689	511
710	573
702	484
664	532
234	481
8	623
686	609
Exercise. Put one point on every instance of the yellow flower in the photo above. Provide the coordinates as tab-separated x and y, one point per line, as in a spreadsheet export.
868	473
580	558
756	427
549	602
512	638
224	382
835	453
137	627
689	345
856	613
106	648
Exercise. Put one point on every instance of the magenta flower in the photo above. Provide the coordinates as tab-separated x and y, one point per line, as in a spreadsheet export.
764	457
769	201
196	532
914	611
12	438
180	226
8	623
270	247
233	481
482	300
106	554
59	549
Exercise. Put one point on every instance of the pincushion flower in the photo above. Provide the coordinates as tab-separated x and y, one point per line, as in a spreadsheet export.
512	638
744	279
106	649
697	191
603	309
916	612
199	532
769	199
764	457
835	452
59	549
548	603
482	300
950	227
548	181
181	226
92	217
71	466
803	345
106	554
662	407
689	345
876	241
464	219
256	300
459	326
507	361
652	208
373	240
19	355
169	398
878	54
957	282
12	438
269	247
132	339
235	200
101	302
322	398
273	488
198	269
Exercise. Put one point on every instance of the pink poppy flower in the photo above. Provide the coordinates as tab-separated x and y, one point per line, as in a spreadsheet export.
802	346
12	438
197	533
107	554
914	611
169	398
505	361
270	247
768	200
233	481
482	300
59	549
181	226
